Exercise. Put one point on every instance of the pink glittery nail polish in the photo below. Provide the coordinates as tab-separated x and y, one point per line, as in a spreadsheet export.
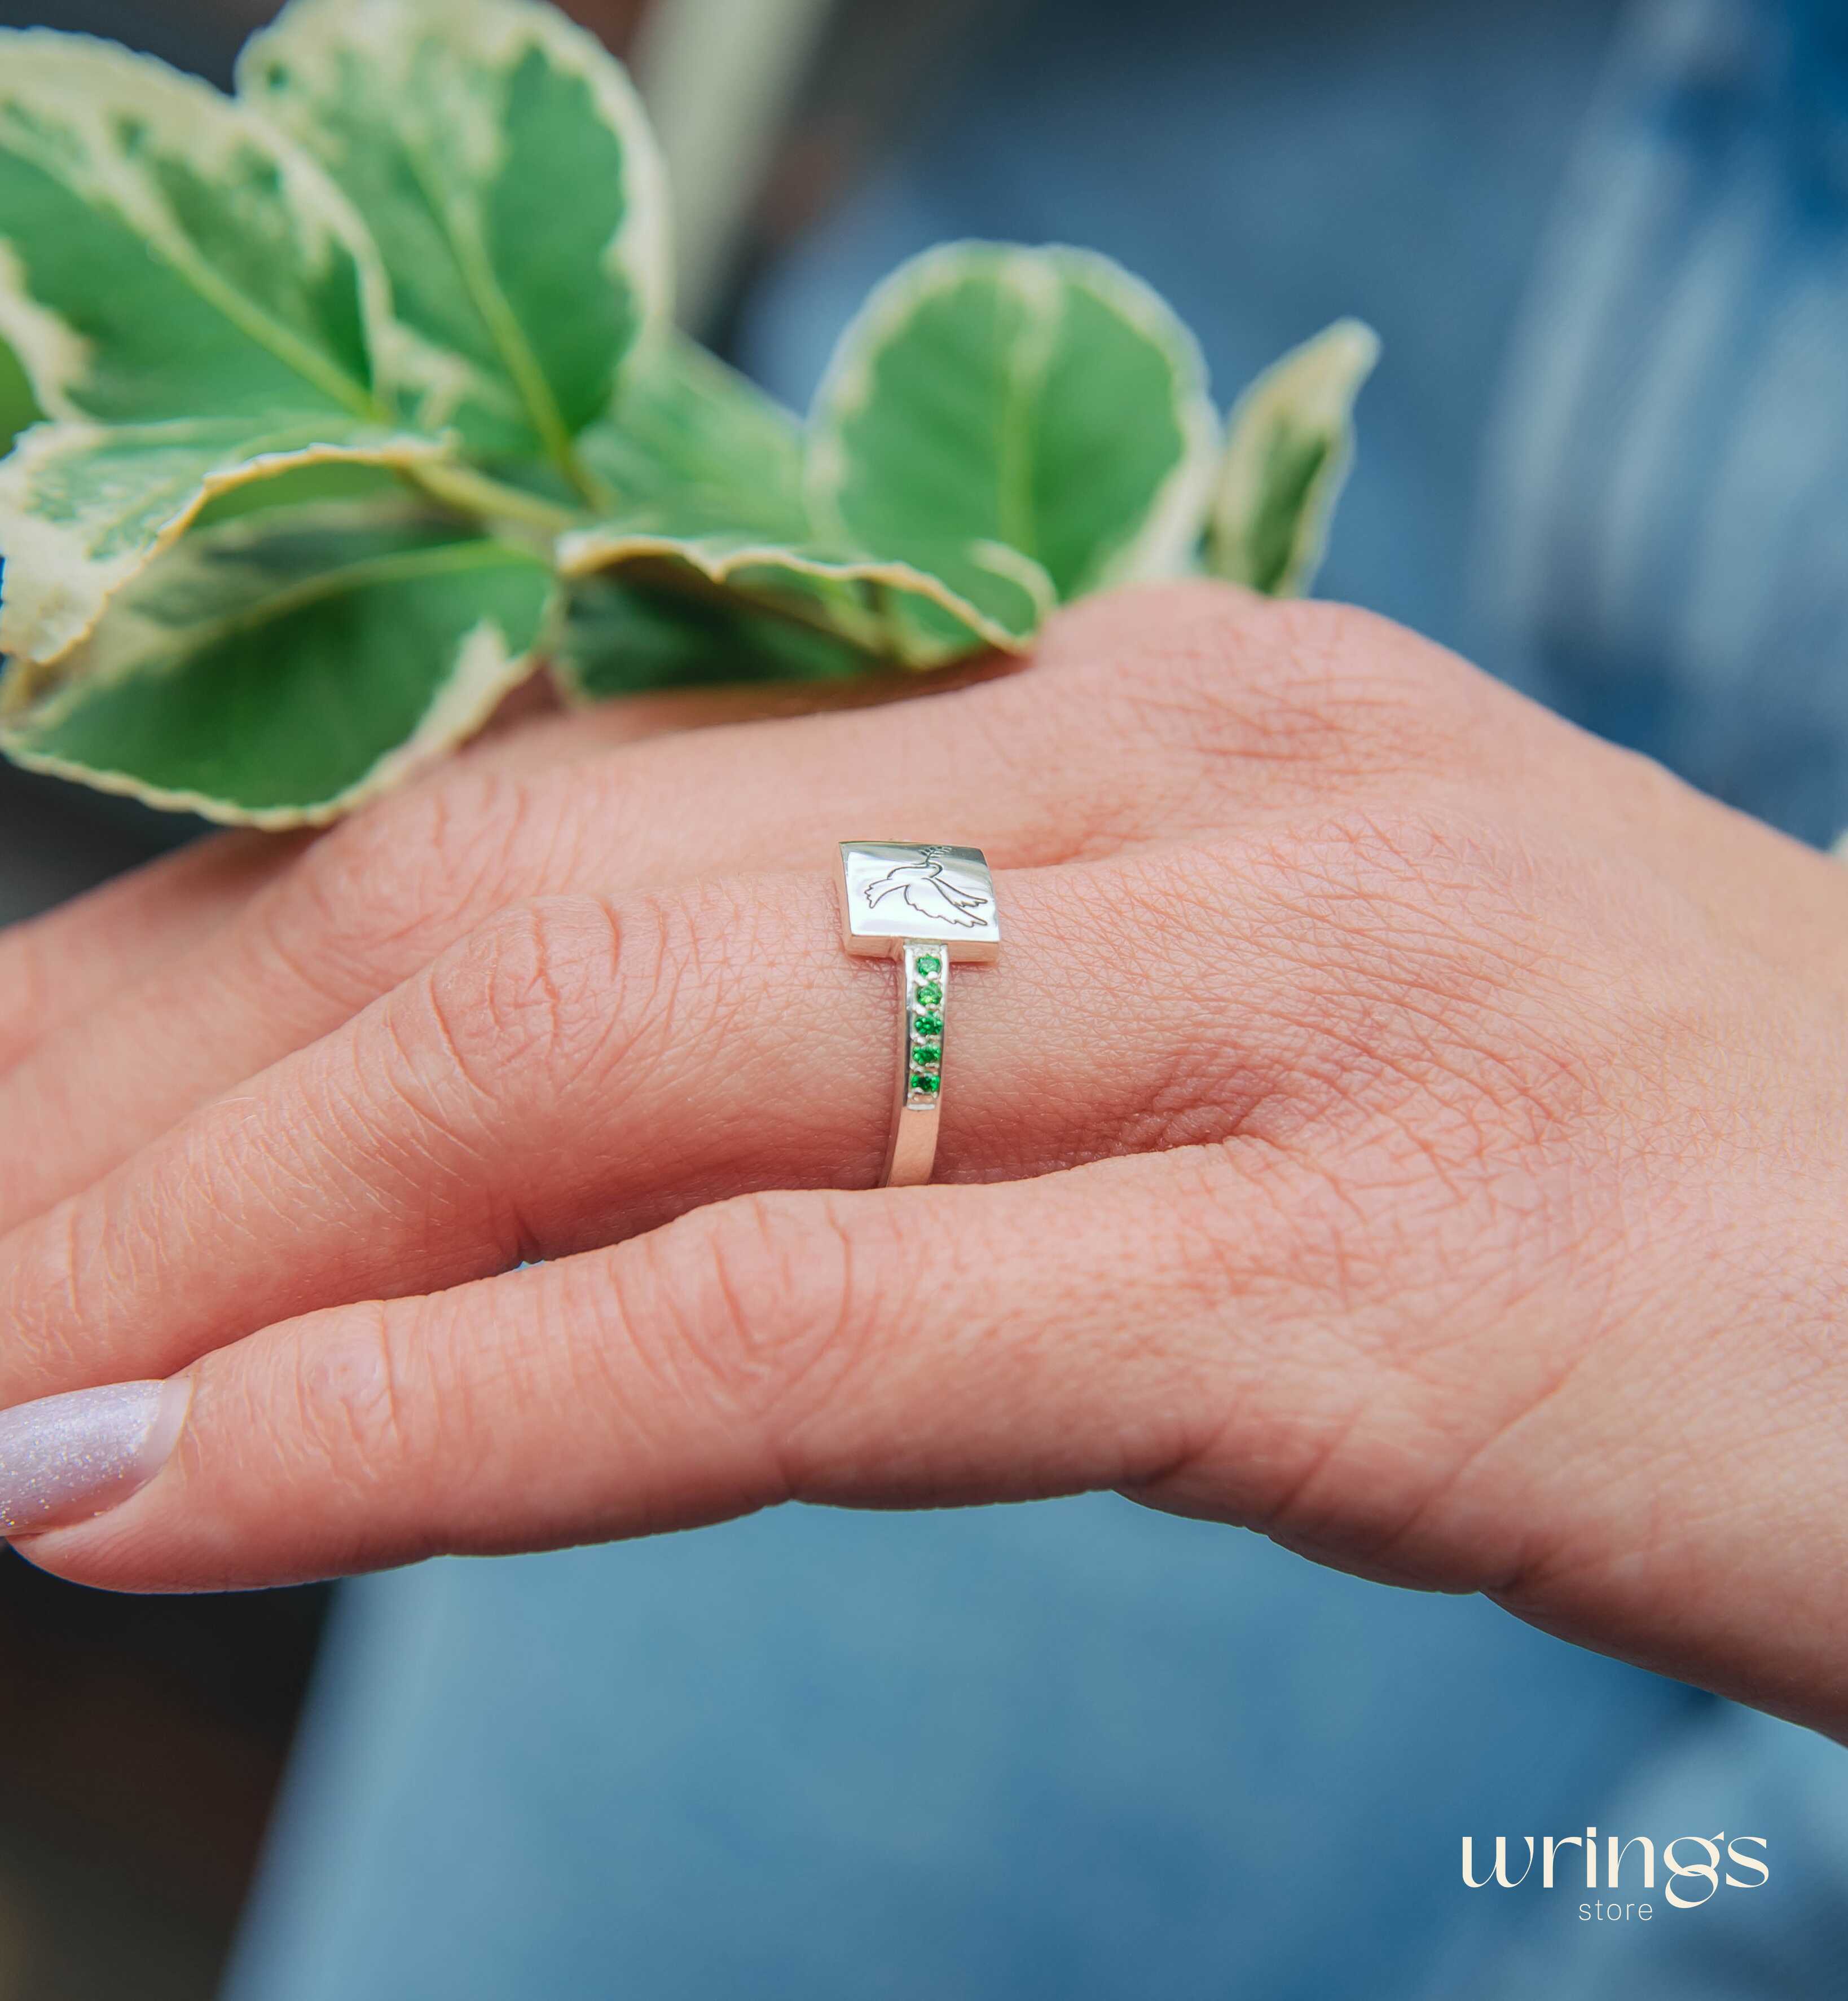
65	1459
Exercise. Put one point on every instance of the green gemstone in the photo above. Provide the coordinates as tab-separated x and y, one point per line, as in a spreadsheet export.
930	994
927	1059
929	1025
927	1087
930	963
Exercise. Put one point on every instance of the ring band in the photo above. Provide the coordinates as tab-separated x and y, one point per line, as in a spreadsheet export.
929	906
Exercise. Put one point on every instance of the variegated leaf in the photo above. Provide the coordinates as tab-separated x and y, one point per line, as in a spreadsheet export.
1044	400
968	599
621	639
281	668
689	432
164	254
194	304
83	508
504	166
1289	448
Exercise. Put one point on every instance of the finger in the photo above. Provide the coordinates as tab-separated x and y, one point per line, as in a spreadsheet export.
1151	1325
931	1346
576	1073
1035	774
53	968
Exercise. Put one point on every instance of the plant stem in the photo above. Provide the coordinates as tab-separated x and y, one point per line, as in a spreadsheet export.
473	492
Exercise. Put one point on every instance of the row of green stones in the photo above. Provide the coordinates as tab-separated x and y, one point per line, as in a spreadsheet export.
927	1026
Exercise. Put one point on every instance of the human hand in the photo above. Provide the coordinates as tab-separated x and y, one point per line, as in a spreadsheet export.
1398	1122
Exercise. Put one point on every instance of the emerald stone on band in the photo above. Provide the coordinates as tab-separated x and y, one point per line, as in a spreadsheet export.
927	906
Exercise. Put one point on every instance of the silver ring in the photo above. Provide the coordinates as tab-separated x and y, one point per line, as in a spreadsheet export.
929	907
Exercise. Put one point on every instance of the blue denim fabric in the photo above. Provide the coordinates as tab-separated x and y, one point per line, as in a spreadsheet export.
1078	1750
1072	1750
1663	537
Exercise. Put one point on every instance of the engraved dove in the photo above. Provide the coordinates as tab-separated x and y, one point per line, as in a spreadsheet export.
927	892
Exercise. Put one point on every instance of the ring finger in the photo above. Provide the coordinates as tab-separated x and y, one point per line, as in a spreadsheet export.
1111	742
377	900
576	1072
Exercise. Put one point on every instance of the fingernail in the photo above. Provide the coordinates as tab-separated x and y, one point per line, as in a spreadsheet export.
65	1459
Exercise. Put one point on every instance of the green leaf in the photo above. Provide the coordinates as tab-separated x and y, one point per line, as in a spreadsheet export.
17	409
690	431
164	255
297	485
722	568
1040	399
504	166
1290	447
967	600
282	669
85	507
192	302
621	640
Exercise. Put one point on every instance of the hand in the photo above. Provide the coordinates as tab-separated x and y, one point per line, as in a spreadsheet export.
1398	1122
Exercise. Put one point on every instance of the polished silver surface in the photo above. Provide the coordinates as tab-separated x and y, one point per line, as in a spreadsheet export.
929	906
892	890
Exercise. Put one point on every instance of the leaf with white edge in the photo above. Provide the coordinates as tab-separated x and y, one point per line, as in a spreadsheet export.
968	600
195	305
285	668
1042	399
621	640
688	431
502	162
1288	453
85	507
164	254
315	483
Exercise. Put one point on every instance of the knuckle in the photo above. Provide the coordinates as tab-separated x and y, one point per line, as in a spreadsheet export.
1441	980
341	1403
553	992
1418	897
382	892
756	1304
1237	680
527	1004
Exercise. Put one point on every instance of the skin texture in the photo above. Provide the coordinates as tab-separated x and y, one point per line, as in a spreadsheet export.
1399	1124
